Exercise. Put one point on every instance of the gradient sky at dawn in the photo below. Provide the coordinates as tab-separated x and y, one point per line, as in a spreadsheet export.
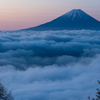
19	14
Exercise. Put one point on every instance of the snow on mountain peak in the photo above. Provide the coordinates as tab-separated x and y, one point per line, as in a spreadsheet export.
75	13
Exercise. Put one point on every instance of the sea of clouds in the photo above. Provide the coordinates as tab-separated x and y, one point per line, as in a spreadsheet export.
50	65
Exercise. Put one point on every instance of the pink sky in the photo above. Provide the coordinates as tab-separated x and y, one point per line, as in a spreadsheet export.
22	14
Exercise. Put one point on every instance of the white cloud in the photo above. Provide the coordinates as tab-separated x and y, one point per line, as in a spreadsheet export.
57	64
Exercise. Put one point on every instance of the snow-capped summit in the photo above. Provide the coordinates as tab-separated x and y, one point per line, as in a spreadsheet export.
75	13
74	19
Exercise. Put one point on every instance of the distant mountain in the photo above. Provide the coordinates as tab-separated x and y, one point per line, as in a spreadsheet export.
75	19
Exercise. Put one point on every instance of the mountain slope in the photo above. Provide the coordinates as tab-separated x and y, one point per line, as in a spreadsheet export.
74	19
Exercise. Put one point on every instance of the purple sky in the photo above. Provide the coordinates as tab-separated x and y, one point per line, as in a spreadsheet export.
19	14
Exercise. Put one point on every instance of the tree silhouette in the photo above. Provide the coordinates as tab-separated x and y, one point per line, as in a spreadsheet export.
4	94
97	95
98	92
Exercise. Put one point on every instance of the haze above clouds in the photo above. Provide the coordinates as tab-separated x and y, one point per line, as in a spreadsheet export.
50	65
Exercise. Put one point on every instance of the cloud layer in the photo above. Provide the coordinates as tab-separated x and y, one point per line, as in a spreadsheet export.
50	65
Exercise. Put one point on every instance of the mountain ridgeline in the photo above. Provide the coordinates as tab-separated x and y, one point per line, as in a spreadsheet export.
75	19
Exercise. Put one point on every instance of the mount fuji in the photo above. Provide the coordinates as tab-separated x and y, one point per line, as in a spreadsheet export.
75	19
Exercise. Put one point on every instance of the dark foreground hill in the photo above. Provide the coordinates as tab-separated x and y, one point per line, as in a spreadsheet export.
75	19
